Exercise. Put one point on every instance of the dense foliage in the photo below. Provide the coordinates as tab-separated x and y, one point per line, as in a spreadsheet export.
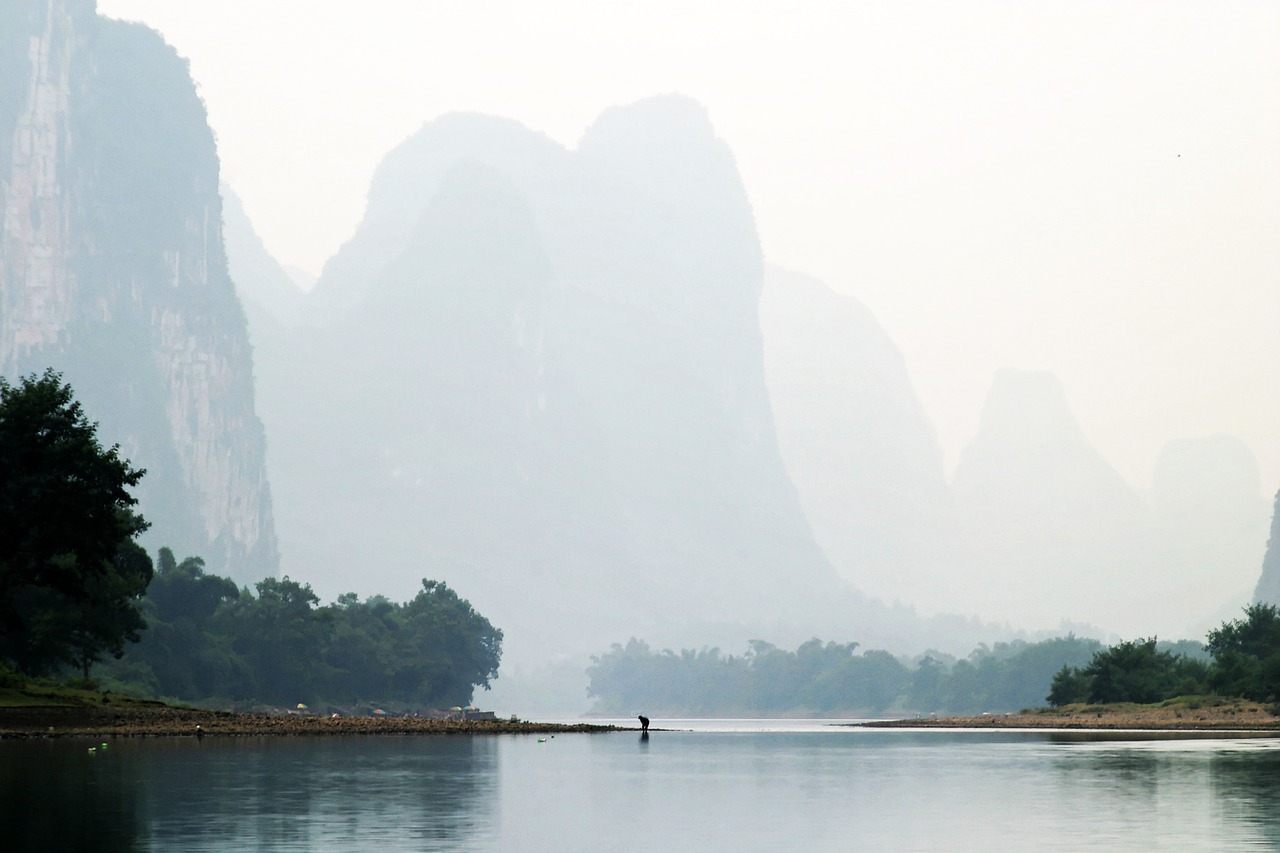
1133	671
210	640
1245	663
71	575
1240	659
830	678
1246	655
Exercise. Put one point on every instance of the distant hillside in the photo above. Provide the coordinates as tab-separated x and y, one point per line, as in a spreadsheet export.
540	374
1051	531
1210	531
112	270
267	291
1268	590
857	442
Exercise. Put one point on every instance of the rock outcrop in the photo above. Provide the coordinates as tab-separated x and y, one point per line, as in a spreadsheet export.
1268	590
112	270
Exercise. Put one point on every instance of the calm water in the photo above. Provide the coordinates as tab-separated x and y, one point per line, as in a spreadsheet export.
722	786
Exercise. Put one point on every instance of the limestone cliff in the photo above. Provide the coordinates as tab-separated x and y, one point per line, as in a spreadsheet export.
112	270
1268	591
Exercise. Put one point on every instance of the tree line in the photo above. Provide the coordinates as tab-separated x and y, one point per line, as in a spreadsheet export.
1241	658
75	589
1244	662
826	679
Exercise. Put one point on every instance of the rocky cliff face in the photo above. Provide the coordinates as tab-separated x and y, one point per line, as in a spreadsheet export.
37	289
112	270
1268	590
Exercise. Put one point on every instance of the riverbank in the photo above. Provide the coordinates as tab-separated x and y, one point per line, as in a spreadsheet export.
1175	715
116	716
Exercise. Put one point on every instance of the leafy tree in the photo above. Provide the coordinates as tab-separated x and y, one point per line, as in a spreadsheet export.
880	679
1069	685
1246	654
185	656
451	648
280	638
110	616
926	691
1137	671
69	580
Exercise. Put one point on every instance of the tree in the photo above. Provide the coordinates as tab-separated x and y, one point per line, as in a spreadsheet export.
1136	671
281	637
70	574
1069	685
451	649
184	657
1246	654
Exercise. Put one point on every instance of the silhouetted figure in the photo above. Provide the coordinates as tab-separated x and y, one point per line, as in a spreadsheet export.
644	723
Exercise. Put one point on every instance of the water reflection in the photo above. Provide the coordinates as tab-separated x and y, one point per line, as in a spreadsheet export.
1166	776
1248	785
737	790
250	793
56	795
292	793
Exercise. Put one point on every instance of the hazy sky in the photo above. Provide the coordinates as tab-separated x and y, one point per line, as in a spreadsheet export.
1091	188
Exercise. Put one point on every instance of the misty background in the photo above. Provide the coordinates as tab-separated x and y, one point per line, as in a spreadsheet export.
908	324
999	182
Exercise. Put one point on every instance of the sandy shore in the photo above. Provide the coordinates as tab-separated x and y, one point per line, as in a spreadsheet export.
154	719
1229	715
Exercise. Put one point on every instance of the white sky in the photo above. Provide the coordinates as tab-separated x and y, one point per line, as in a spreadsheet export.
1091	188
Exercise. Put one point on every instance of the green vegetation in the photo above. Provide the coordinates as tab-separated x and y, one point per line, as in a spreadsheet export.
18	691
1240	660
1245	663
75	587
71	575
1135	671
827	679
210	642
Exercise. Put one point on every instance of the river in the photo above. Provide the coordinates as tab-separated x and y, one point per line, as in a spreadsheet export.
712	785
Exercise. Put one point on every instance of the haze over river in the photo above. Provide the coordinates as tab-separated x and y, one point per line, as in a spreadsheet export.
716	785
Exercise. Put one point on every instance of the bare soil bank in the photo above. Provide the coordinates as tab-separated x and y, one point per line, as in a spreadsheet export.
1225	715
155	719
